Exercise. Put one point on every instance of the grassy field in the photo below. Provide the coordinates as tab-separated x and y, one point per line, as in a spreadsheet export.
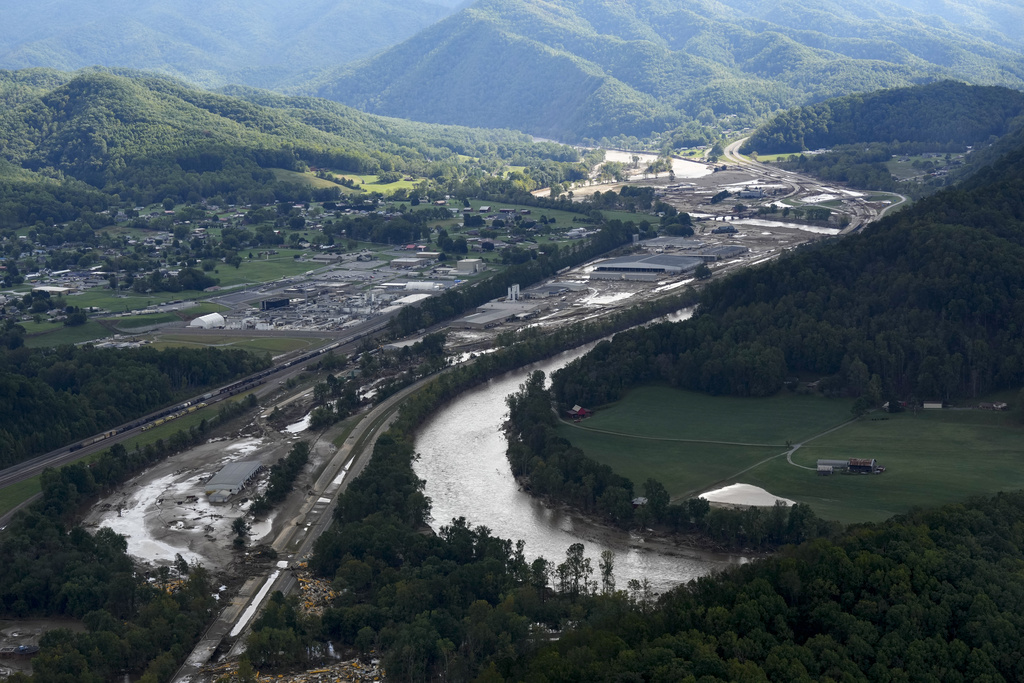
271	345
68	335
931	457
310	179
16	494
283	264
670	413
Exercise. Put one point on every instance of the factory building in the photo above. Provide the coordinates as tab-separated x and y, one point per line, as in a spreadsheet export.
231	479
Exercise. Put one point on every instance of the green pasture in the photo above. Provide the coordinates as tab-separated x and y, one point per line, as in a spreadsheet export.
931	458
285	176
685	468
121	302
137	321
691	442
664	412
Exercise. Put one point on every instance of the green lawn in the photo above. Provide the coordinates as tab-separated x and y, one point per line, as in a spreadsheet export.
931	458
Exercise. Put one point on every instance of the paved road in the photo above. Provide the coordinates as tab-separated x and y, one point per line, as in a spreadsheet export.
861	213
296	539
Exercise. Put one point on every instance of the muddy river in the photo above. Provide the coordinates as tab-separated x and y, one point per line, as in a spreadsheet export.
462	459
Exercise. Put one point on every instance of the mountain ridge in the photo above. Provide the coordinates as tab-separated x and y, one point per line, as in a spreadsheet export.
656	64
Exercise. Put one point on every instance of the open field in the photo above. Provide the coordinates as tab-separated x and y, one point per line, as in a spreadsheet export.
672	413
68	335
931	457
280	265
15	494
271	345
685	468
310	179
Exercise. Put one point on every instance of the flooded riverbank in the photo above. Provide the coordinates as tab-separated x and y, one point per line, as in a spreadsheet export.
462	459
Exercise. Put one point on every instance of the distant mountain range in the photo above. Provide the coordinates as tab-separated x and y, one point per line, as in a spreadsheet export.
571	69
565	69
262	43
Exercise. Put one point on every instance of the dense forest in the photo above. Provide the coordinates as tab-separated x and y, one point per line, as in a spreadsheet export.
51	397
925	304
944	116
649	68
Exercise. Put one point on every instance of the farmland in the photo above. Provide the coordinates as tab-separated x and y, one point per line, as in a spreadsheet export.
692	442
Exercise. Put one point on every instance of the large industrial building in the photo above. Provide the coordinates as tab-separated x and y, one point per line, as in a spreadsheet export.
638	267
231	479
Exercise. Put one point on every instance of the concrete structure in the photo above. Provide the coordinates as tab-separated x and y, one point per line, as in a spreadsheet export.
208	322
933	405
408	262
720	253
470	266
270	304
232	478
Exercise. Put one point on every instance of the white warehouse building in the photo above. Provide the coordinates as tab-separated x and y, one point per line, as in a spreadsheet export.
208	322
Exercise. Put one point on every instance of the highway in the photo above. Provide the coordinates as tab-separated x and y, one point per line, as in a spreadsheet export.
295	541
861	213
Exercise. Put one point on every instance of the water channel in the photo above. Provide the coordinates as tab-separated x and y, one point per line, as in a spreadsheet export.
462	459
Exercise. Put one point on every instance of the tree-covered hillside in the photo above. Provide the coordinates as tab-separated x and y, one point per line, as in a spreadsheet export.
575	70
945	113
69	141
925	304
260	42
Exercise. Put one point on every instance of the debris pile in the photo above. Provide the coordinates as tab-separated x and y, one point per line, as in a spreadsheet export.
315	594
352	671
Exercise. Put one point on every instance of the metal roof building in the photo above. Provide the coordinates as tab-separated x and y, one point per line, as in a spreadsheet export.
231	479
665	264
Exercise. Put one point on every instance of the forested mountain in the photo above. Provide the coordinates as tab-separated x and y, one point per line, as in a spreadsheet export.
925	304
945	113
260	42
73	140
575	70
